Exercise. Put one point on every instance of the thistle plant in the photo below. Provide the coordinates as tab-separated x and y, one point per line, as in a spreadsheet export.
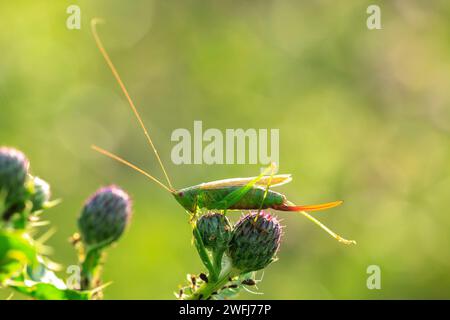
102	222
40	198
24	263
13	175
256	239
231	255
215	231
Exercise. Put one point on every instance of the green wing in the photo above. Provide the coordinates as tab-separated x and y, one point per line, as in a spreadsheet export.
277	180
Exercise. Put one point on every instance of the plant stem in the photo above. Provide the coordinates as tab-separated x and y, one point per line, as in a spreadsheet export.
208	288
205	291
203	253
91	271
217	263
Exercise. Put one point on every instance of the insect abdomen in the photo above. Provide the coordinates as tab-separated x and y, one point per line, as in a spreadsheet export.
250	201
254	198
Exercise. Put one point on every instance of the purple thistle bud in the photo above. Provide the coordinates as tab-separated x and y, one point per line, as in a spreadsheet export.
105	216
41	194
215	230
254	242
13	171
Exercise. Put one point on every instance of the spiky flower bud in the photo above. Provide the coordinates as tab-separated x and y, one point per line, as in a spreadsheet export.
215	231
13	171
104	217
41	194
255	241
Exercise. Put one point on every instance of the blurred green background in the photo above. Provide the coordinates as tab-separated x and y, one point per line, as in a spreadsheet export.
363	116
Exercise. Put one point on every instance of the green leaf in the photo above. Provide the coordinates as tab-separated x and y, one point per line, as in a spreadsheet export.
16	252
47	291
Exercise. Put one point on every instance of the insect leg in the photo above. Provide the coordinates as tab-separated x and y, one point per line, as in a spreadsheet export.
237	195
331	233
269	181
196	211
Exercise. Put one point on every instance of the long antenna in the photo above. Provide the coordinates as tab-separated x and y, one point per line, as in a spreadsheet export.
102	49
132	166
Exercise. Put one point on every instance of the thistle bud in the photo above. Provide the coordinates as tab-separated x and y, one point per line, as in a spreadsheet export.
41	194
104	217
255	241
13	172
215	231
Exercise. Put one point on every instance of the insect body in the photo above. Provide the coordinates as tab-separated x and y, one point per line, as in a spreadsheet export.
212	198
251	193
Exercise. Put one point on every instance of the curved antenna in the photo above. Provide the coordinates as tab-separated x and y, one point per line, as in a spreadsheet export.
132	166
116	75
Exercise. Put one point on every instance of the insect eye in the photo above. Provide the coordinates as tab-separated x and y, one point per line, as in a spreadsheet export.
181	194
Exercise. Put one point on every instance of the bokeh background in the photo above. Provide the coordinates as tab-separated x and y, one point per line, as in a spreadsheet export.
363	116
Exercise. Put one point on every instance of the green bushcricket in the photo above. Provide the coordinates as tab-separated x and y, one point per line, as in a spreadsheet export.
250	193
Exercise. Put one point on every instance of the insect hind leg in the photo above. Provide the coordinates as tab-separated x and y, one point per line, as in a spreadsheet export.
233	197
273	167
330	232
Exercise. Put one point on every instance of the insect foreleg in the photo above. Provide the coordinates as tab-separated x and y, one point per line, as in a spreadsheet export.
195	213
